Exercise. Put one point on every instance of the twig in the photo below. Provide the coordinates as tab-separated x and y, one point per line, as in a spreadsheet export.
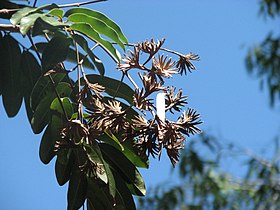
34	4
131	80
80	103
79	3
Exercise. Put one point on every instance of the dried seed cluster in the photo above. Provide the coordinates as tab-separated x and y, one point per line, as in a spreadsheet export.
129	123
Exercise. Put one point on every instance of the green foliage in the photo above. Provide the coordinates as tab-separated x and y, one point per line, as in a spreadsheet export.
93	124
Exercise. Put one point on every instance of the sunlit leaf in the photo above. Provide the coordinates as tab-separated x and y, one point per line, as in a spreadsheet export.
99	16
27	22
98	25
87	30
11	87
15	19
84	44
55	52
56	12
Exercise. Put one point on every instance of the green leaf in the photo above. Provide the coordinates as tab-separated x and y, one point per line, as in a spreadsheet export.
51	135
98	25
42	87
87	30
124	167
99	16
112	87
45	24
11	87
42	113
71	57
112	140
55	52
27	22
31	72
63	166
77	190
95	155
84	44
67	104
57	12
97	196
124	197
15	19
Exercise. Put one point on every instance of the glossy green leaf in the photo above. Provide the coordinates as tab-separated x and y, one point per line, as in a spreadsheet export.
31	71
55	52
95	155
42	113
87	30
124	167
11	87
98	25
15	19
84	44
57	12
42	87
77	190
99	16
63	166
113	87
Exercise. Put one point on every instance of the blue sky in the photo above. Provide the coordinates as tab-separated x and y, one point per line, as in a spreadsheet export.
229	100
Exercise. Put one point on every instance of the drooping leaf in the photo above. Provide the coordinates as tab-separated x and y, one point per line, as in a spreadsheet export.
84	44
98	25
2	62
97	196
71	57
42	113
31	72
124	167
66	103
42	87
77	190
87	30
11	87
124	197
63	166
113	87
57	12
111	139
99	16
51	135
55	52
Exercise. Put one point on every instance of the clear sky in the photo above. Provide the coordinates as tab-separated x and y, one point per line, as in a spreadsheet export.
229	100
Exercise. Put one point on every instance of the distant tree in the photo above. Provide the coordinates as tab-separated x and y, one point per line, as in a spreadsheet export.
200	180
100	129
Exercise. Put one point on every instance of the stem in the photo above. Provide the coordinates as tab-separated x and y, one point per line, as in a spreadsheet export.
79	3
80	104
132	81
34	4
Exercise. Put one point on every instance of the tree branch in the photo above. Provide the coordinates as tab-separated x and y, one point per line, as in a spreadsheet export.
9	27
78	4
